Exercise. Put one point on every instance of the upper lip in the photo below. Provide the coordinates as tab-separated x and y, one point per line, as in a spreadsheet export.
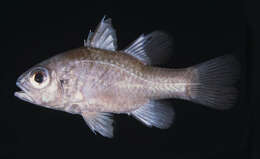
20	86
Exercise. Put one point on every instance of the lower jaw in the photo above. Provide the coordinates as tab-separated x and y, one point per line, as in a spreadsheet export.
23	96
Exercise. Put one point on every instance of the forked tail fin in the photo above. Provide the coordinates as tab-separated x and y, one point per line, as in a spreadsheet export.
215	82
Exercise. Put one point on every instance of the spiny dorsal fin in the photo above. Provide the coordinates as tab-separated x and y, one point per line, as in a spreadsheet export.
155	114
104	36
99	122
87	42
154	48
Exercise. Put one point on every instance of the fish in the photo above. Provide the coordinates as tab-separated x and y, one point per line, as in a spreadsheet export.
98	81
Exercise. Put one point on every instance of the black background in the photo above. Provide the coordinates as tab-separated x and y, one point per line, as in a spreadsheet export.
201	30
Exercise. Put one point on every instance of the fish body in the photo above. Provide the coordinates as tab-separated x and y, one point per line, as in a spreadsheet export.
97	80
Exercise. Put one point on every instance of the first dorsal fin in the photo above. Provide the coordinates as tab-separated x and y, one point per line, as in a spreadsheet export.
154	48
104	36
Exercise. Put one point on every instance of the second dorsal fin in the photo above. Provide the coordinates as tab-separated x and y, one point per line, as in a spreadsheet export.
104	36
150	48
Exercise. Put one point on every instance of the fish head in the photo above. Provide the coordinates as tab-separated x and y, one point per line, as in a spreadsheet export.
39	85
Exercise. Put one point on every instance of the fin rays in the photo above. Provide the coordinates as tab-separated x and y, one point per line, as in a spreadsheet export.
99	122
104	36
216	78
155	114
147	48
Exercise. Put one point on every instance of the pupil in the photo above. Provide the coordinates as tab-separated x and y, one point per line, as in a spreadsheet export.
38	77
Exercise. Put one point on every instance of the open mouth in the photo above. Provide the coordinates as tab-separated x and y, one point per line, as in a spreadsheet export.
23	95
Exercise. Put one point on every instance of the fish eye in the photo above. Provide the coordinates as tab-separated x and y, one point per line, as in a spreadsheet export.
39	77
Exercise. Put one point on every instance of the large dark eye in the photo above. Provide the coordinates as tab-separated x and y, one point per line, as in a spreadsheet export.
38	77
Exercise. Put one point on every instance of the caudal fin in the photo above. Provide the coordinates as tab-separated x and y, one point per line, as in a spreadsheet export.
215	82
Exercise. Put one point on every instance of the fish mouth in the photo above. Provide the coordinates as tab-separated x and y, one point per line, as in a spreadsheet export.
23	94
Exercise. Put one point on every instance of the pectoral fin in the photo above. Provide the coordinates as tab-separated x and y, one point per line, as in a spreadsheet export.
99	122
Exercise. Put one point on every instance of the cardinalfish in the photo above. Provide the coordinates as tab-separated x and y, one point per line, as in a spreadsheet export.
98	80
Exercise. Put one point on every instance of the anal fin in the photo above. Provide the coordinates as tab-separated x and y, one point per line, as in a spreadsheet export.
99	122
155	114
